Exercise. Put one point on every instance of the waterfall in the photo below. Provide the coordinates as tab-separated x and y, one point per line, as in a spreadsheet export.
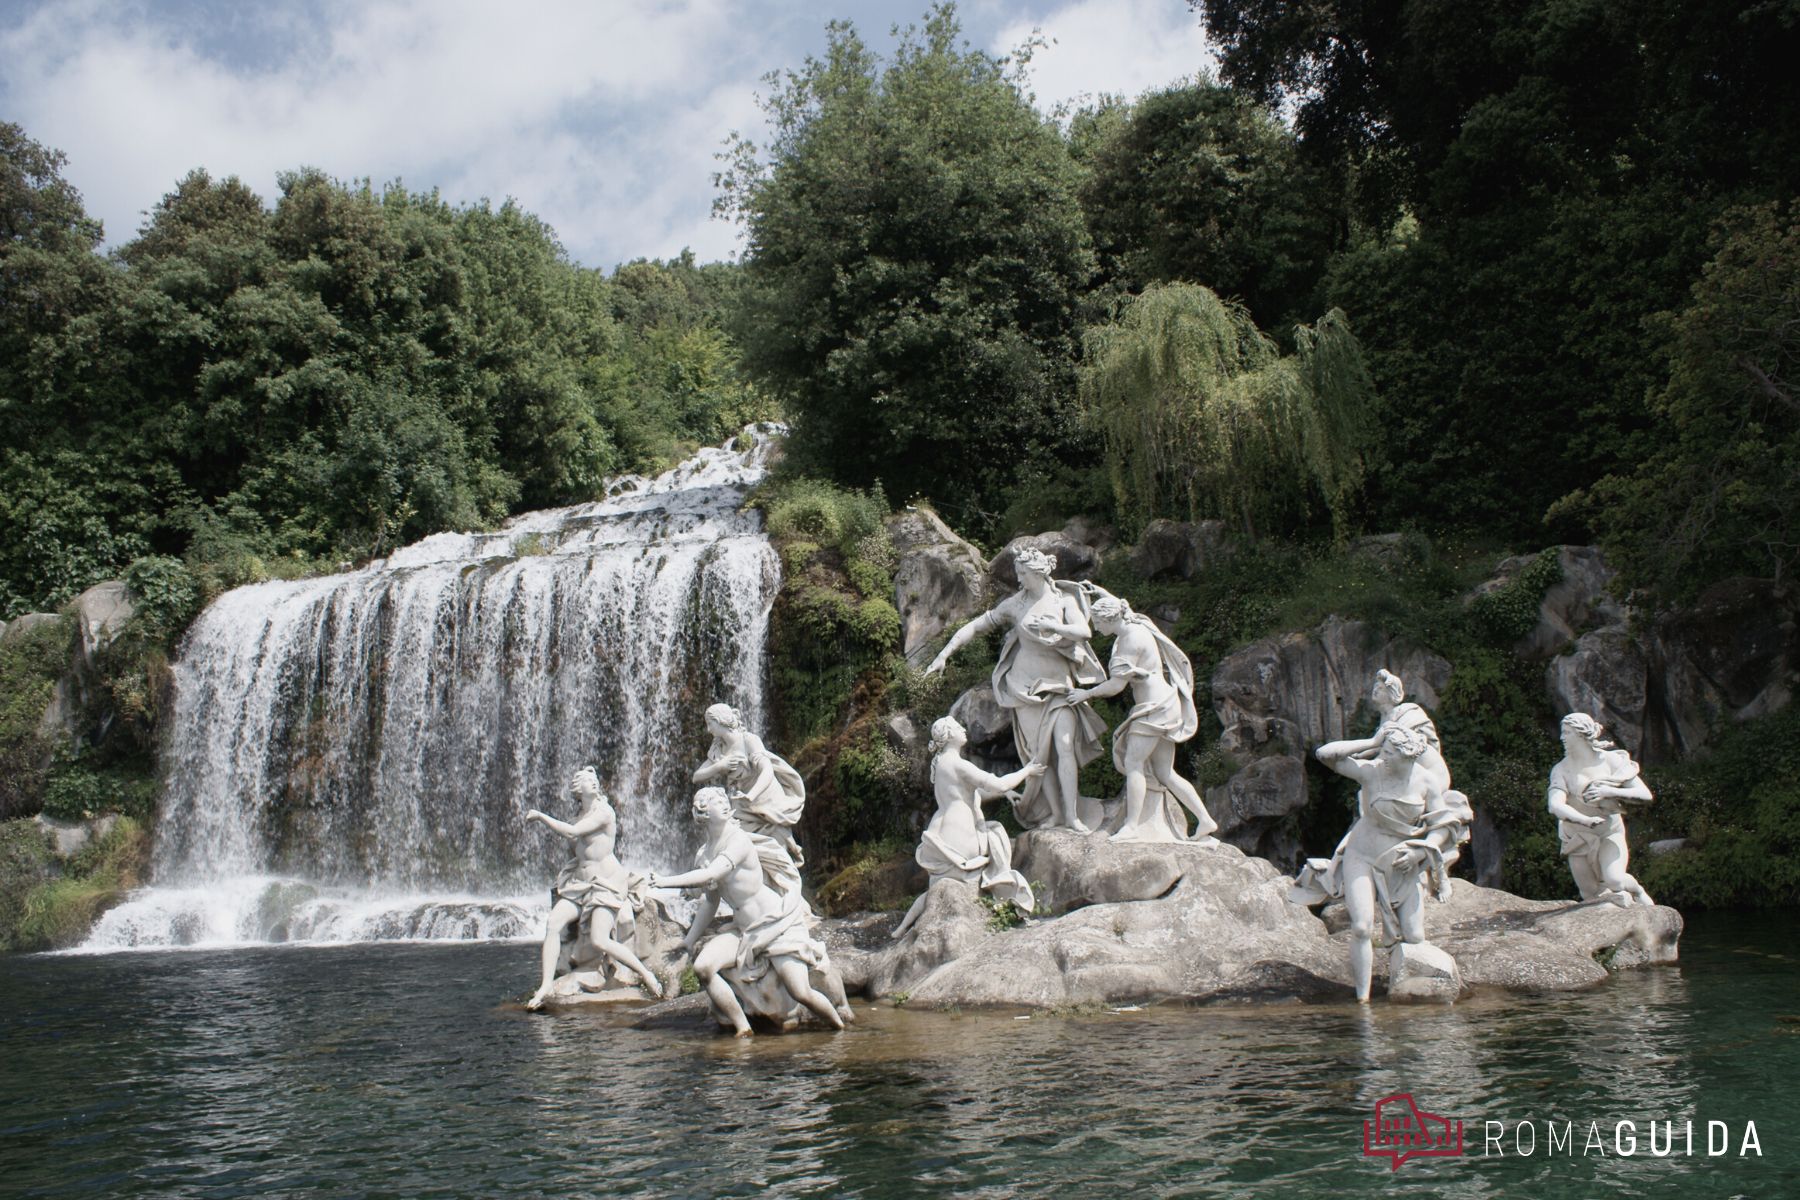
351	757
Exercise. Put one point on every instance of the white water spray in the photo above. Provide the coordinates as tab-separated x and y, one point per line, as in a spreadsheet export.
351	757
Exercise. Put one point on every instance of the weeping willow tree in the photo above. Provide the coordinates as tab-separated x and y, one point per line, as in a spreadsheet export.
1204	415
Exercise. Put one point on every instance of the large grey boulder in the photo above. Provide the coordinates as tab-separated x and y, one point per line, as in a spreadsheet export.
1074	559
1732	655
1279	698
1069	870
1581	600
938	581
1178	549
1606	675
1252	805
1296	691
101	614
1221	928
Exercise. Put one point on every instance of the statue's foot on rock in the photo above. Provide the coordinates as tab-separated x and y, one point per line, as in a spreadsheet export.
650	983
536	1003
1208	840
848	1016
745	1032
1075	826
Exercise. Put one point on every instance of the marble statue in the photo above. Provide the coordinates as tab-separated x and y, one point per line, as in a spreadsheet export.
1589	791
764	959
1162	716
595	890
1044	658
1388	695
960	843
766	793
1406	835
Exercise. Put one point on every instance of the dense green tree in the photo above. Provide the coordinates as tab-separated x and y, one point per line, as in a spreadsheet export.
1199	183
915	257
1535	182
1205	417
1720	492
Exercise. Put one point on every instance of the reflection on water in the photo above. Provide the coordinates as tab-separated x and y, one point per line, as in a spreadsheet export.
406	1071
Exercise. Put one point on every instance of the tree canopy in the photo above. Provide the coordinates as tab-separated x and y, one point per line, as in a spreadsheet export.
915	256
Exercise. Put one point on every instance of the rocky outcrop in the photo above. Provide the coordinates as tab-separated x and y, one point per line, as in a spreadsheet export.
1178	549
101	614
938	581
1580	600
1221	928
1733	655
1074	559
1281	697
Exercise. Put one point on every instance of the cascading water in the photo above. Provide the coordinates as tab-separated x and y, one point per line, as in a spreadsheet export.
351	757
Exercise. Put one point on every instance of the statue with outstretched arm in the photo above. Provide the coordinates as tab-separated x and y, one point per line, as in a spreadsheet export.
595	886
768	933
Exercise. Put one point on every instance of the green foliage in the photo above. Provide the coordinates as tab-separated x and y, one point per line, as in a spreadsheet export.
76	791
261	390
1719	494
1002	914
31	661
164	592
1738	806
817	511
1509	612
690	981
26	862
914	264
1203	416
1198	183
58	911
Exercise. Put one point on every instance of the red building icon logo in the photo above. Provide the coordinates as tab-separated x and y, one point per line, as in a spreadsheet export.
1401	1130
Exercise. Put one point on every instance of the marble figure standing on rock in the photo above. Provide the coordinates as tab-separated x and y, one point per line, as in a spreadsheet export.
767	794
1044	658
1407	832
1162	716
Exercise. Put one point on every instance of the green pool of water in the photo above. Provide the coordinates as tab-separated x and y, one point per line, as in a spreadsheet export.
410	1071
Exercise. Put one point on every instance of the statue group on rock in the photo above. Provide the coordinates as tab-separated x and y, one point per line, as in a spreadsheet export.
1046	678
754	941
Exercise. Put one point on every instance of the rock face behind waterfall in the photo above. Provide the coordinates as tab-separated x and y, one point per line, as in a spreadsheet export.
382	733
1209	924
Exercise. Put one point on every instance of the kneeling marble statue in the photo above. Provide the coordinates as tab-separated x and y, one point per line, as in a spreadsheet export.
595	892
765	960
1589	790
960	842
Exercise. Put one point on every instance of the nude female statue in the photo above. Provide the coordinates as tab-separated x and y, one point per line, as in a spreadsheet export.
1045	657
1163	714
767	794
1588	791
594	887
960	843
768	931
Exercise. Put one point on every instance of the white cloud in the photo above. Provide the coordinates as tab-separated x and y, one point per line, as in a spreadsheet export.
592	115
1097	47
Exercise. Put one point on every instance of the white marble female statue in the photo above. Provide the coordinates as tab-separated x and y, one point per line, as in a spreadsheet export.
960	843
1589	790
766	792
768	935
1407	833
1045	657
1162	716
1388	695
595	889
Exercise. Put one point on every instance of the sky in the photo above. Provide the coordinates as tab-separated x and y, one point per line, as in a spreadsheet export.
603	117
